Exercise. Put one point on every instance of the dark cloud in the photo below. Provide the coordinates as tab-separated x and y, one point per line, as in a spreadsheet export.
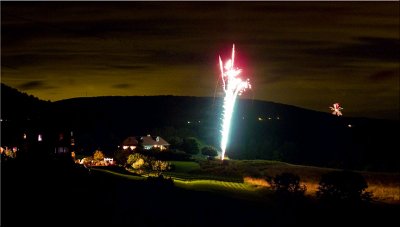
370	48
168	57
128	67
22	60
385	75
292	52
293	43
61	59
383	49
34	85
122	86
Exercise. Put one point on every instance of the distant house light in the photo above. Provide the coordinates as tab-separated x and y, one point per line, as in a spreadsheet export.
269	118
132	147
108	159
277	118
125	147
349	126
39	137
188	122
24	136
260	119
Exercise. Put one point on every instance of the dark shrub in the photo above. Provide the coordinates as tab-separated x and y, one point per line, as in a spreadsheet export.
191	145
170	154
175	142
121	155
287	183
209	151
343	186
160	181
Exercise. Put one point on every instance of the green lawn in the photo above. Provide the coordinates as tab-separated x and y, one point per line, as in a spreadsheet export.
233	189
195	182
189	171
118	174
185	166
229	177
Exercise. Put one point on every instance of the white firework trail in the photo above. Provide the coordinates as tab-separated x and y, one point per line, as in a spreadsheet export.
233	86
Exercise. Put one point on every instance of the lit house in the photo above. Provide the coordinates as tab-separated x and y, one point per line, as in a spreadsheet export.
65	144
148	142
130	143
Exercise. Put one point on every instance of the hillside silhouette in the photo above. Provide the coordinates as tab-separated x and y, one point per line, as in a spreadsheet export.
260	129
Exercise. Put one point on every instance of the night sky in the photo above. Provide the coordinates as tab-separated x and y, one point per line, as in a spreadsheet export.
304	54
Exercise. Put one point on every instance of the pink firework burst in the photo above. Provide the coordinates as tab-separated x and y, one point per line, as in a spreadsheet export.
336	109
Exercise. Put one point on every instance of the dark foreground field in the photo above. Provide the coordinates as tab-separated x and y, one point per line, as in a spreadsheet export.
64	194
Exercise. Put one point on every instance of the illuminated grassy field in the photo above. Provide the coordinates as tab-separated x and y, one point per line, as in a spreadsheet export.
247	178
384	186
113	196
234	189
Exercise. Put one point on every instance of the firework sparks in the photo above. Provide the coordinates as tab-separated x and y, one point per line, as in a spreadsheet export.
336	109
233	86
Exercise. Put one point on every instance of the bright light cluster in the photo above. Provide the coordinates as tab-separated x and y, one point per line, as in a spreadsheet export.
336	109
233	86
